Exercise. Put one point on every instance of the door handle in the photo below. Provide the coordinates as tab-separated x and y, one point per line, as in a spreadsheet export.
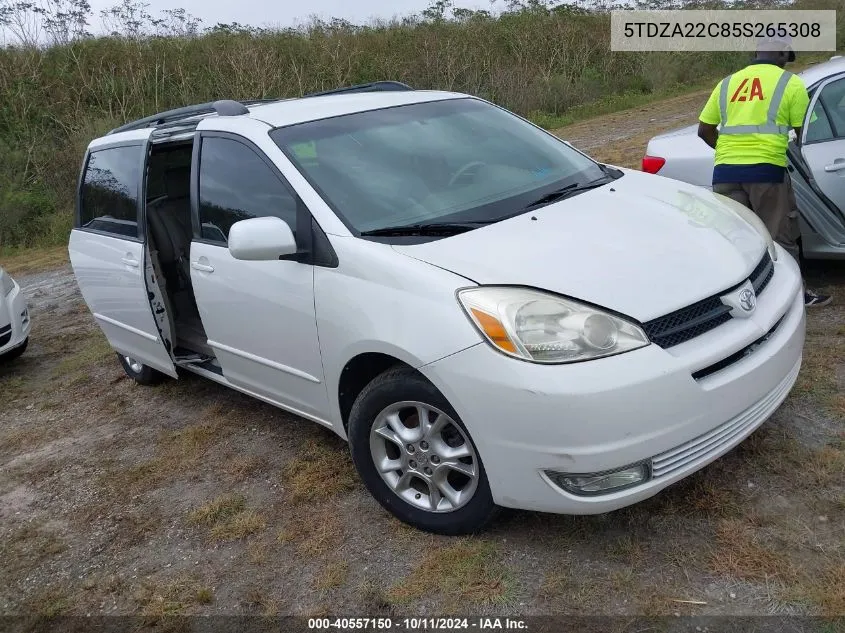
202	267
837	166
129	261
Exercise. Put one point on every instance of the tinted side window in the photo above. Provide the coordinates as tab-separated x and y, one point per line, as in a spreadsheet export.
819	128
110	191
236	184
833	98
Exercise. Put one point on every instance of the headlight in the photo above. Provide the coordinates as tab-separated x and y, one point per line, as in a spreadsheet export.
6	283
749	216
543	328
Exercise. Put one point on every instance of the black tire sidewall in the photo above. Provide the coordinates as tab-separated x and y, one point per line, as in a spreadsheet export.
147	375
396	386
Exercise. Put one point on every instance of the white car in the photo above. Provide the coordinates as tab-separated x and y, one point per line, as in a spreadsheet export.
14	318
490	317
817	167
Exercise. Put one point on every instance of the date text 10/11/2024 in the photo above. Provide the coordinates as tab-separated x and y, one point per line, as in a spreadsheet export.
416	624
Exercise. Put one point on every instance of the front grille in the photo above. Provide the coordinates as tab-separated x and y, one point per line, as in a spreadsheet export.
762	275
686	323
5	335
694	320
714	441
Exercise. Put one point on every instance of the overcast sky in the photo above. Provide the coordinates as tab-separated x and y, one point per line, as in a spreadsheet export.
286	12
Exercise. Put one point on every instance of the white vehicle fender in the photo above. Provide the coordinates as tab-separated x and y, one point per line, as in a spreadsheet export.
380	301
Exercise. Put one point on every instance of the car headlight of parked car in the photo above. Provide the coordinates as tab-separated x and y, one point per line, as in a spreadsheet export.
6	283
543	328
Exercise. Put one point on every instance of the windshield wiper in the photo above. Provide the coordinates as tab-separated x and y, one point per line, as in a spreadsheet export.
428	228
567	191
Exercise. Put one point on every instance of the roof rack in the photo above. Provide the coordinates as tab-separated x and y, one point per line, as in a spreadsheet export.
225	107
228	107
375	86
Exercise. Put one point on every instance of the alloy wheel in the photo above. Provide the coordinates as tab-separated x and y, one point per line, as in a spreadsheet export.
424	456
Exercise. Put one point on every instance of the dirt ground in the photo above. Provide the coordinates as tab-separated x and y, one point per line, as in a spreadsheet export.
191	498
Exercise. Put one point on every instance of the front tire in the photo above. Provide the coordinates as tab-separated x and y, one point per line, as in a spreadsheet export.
416	457
140	373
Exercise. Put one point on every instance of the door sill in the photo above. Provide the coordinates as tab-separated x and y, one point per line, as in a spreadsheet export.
211	372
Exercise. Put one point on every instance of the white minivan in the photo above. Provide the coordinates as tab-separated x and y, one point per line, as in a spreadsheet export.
490	317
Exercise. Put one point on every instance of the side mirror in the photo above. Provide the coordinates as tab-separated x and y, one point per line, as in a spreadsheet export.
261	239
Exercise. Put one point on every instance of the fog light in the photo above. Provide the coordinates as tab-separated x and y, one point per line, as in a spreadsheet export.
604	482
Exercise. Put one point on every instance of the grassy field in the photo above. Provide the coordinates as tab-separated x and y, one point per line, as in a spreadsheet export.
188	498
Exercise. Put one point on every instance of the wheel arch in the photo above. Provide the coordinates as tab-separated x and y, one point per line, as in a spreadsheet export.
357	373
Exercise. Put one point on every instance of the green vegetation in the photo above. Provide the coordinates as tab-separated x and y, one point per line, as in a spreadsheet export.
552	64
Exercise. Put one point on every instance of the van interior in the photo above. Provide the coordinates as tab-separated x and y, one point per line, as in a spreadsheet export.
169	233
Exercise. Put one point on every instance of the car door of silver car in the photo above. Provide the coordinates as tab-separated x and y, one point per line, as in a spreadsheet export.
819	176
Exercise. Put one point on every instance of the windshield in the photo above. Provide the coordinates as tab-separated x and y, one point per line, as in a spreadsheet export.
458	160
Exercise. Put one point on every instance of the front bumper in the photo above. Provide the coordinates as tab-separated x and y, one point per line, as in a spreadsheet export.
642	405
15	323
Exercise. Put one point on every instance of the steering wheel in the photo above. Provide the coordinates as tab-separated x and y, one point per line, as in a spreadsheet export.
463	171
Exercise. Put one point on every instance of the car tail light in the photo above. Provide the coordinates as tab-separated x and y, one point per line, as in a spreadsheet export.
652	164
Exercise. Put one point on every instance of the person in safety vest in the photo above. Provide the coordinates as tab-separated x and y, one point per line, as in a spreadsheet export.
757	107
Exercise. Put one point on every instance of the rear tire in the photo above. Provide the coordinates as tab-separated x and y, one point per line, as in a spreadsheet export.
430	475
15	353
140	373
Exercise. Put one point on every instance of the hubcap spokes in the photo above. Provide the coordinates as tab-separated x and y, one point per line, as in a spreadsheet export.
424	457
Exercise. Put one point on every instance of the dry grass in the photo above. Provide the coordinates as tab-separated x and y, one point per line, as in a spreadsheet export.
242	467
227	518
256	552
217	511
27	547
817	380
177	452
15	441
77	364
827	588
826	467
239	526
315	530
333	574
174	597
33	260
257	601
49	602
320	471
15	386
625	549
563	590
655	602
815	469
462	571
204	595
374	600
740	554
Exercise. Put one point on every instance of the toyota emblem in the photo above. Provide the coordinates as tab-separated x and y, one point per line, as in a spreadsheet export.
747	300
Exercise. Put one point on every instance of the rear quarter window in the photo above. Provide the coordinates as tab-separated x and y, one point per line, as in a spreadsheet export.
109	196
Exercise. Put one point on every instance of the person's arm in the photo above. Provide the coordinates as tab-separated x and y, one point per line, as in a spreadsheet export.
709	119
799	103
708	133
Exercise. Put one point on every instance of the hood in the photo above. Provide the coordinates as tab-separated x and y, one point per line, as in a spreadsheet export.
642	245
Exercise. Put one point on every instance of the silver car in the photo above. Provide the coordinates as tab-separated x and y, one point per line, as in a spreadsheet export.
817	167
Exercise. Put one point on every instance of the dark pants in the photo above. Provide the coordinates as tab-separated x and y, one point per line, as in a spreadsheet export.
774	203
